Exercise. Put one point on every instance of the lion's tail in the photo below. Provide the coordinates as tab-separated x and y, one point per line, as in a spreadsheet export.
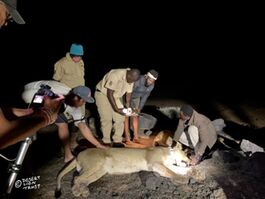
66	169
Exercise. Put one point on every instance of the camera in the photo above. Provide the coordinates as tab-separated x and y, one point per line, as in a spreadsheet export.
38	98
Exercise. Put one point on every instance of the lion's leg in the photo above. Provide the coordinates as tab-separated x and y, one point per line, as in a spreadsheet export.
168	173
81	183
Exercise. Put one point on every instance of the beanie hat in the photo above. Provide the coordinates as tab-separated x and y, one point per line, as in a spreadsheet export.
83	92
77	49
187	110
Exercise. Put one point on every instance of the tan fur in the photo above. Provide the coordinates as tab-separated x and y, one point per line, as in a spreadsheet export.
95	163
162	138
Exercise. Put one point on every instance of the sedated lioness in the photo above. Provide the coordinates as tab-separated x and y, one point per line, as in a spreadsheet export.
94	163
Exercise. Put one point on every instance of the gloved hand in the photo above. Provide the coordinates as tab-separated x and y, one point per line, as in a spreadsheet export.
127	111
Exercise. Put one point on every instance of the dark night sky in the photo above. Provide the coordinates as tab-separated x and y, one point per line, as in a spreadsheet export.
194	48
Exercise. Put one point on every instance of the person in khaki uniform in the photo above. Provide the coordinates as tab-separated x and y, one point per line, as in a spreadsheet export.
196	131
109	94
70	69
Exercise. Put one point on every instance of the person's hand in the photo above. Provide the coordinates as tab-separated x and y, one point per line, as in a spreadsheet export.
194	160
136	110
51	108
120	111
3	14
101	146
53	104
22	112
127	111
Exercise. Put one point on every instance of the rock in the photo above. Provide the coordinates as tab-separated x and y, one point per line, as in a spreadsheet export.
248	146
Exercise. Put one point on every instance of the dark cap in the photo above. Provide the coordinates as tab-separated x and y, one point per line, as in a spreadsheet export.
187	110
83	92
11	5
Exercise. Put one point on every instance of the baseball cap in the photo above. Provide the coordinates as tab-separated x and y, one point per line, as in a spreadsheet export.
11	5
83	92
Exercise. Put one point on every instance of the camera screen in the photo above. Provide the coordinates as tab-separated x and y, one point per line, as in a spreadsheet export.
38	99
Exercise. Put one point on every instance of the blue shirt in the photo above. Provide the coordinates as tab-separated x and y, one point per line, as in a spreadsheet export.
141	91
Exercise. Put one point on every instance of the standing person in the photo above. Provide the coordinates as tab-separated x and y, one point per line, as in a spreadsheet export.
196	131
8	12
74	100
70	69
141	91
115	85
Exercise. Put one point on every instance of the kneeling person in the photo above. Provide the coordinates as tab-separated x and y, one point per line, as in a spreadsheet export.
195	131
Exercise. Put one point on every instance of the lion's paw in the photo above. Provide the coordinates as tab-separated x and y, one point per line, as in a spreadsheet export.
80	190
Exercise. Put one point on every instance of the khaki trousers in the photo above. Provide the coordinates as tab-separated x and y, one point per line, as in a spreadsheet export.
107	117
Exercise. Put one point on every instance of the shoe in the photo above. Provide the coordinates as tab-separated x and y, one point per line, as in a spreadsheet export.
118	145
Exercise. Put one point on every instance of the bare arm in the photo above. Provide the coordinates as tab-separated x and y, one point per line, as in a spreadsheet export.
112	101
20	124
86	132
14	131
128	100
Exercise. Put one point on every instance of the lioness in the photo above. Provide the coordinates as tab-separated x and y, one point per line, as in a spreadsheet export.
94	163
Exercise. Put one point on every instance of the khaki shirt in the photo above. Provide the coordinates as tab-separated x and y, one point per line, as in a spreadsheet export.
68	72
207	133
116	81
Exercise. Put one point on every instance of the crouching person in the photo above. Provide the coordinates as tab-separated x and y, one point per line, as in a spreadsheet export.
74	100
195	131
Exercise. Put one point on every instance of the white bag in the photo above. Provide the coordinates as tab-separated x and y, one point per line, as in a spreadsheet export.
31	88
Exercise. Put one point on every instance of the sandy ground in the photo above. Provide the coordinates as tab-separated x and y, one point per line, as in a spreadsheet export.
228	174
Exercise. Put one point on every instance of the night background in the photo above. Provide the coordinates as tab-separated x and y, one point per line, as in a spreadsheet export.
200	52
204	53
